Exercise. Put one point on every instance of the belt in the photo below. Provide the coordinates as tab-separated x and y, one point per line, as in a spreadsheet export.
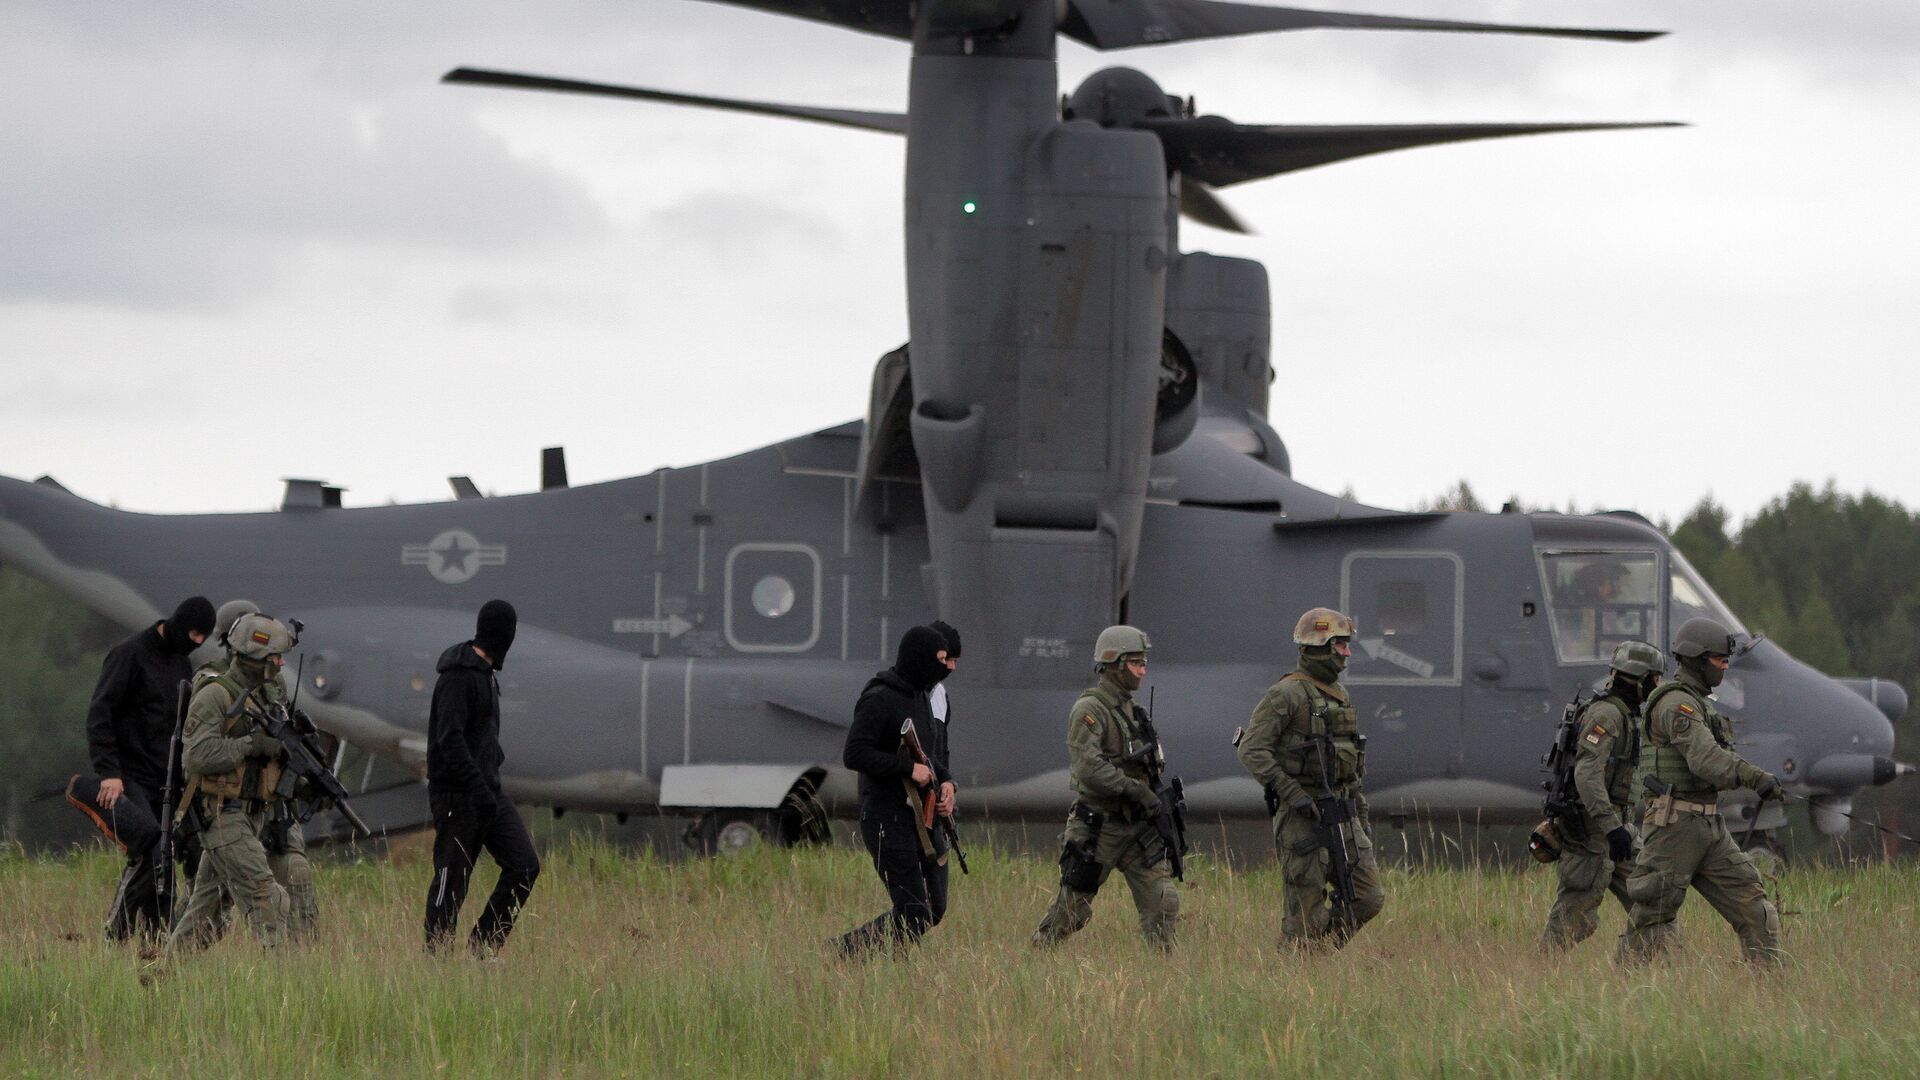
1709	809
244	806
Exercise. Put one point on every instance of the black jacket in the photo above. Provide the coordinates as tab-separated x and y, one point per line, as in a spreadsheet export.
873	744
463	730
134	704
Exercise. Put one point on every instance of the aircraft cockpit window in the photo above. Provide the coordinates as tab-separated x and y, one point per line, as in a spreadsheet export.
1693	598
1599	599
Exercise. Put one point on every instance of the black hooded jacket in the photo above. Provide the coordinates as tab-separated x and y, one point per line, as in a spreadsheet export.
463	730
132	713
874	747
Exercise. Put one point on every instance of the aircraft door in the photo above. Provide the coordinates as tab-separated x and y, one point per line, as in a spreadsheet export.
1407	655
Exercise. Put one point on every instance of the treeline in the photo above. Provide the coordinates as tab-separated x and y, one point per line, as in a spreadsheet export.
50	654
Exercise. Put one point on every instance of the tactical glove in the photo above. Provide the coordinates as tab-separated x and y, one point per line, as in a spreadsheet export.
1619	843
1150	804
262	744
1768	787
1303	806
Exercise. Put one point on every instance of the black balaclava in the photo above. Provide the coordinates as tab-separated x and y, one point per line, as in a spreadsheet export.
493	631
952	636
194	615
918	660
1321	662
1702	669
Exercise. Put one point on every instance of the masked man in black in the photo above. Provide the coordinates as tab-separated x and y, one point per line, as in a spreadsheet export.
129	724
909	857
470	812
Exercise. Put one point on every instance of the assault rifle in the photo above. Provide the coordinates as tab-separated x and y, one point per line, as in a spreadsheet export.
303	762
169	797
1335	814
1563	804
1170	822
925	801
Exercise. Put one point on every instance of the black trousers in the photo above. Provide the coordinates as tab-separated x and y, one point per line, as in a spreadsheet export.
916	884
460	833
134	824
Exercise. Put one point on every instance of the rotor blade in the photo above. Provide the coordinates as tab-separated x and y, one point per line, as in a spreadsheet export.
1119	24
1197	201
1220	153
891	123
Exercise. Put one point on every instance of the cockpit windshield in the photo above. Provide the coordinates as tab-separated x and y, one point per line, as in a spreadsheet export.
1599	599
1693	598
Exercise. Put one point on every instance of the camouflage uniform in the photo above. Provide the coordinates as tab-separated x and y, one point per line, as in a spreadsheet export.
1275	748
283	838
1689	746
1111	820
232	770
1605	756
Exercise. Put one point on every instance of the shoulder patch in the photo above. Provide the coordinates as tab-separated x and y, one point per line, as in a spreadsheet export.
1685	708
1087	719
1596	734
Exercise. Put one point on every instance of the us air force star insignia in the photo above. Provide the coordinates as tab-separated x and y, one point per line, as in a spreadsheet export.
454	556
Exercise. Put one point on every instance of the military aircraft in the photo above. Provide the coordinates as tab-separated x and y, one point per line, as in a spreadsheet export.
1076	434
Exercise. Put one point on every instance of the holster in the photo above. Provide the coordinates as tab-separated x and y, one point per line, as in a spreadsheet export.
1661	811
1079	865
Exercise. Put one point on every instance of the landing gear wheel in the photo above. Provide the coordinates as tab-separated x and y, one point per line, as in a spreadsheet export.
729	832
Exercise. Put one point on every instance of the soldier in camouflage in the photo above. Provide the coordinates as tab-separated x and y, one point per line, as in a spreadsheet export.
1688	754
1279	747
284	839
232	764
1606	752
1110	826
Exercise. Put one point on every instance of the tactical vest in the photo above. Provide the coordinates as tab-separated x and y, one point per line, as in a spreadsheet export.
1326	715
1670	765
251	779
1121	736
1625	758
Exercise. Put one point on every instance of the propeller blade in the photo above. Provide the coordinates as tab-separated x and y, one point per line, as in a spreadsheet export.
1218	152
1198	202
1120	24
891	123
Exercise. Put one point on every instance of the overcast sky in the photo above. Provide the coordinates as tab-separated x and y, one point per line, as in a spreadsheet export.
240	242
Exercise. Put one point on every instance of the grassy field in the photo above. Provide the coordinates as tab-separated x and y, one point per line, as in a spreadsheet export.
626	965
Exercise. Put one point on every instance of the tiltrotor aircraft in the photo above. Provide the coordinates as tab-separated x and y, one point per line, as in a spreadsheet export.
1077	434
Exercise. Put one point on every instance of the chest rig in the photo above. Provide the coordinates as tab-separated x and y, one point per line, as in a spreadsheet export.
1667	763
253	779
1325	716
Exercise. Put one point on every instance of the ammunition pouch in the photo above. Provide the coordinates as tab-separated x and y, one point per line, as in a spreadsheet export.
1544	842
267	786
226	785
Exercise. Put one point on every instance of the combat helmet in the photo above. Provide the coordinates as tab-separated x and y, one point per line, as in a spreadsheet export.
258	637
1637	660
230	613
1321	625
1698	637
1117	641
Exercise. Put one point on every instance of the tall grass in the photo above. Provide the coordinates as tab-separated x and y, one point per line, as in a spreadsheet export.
625	965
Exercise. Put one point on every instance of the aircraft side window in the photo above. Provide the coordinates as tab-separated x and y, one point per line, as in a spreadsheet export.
1599	599
1407	604
772	598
